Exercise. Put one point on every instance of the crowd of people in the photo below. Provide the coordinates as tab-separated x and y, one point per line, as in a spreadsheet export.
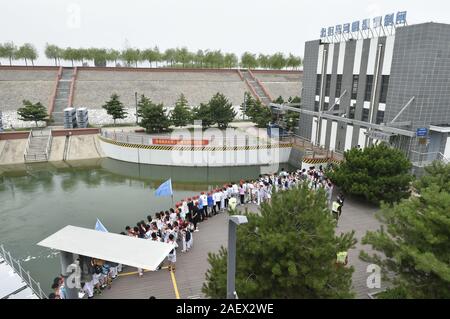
178	225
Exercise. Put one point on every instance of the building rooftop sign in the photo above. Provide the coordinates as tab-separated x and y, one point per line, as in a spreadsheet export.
381	25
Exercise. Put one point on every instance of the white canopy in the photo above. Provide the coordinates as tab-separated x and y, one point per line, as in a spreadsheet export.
126	250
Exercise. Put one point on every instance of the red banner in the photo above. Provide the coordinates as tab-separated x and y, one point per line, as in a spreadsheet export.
169	141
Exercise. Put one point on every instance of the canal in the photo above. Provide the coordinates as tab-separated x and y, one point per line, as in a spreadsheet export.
37	201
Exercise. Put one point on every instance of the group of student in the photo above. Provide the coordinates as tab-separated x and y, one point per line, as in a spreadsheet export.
177	225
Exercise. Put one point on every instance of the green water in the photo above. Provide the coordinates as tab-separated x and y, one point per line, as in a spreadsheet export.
41	200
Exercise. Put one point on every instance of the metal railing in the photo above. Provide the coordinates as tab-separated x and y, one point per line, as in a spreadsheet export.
42	156
27	145
24	274
144	139
49	146
423	159
315	151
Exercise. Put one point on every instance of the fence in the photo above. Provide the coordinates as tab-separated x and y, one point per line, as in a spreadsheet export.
25	275
313	151
145	139
423	159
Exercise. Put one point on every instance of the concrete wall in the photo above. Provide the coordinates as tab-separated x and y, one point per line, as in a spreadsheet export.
199	157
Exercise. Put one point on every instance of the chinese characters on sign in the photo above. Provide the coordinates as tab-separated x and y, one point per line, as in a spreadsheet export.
170	141
389	20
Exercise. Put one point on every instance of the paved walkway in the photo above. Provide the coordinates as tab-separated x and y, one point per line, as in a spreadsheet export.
191	267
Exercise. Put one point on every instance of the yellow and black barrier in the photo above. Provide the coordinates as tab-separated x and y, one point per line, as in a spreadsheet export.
195	148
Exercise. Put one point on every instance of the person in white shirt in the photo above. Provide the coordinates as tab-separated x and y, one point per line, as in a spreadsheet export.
223	199
88	288
172	256
184	209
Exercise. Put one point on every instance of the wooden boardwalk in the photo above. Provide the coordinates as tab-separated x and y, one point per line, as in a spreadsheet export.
192	266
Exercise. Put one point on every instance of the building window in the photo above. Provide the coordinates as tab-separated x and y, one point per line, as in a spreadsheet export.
338	85
355	86
318	83
380	117
384	88
326	106
328	84
316	106
351	113
365	115
369	86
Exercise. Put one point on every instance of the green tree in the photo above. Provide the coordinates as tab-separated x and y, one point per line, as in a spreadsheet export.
169	56
99	56
32	112
279	100
182	56
8	51
293	61
199	58
221	109
414	240
249	61
53	52
287	251
377	173
27	52
263	61
230	60
181	114
277	61
151	55
70	54
258	113
153	116
112	56
114	107
203	113
131	56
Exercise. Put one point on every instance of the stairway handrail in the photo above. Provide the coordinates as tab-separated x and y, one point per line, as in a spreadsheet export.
27	145
49	145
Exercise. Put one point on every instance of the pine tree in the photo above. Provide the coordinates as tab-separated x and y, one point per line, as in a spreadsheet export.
287	251
203	113
32	112
377	173
114	107
221	109
181	115
258	113
414	244
153	116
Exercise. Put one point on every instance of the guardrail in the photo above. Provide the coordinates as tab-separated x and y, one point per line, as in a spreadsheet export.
49	146
422	159
27	145
24	274
144	139
314	151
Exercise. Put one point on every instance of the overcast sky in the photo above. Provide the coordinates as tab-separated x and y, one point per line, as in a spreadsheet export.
265	26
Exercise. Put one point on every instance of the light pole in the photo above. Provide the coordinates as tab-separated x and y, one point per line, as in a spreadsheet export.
136	105
233	222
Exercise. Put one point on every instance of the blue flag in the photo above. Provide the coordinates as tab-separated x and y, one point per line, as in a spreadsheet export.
99	226
165	189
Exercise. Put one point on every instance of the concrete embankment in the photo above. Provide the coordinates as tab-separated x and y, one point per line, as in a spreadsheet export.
65	151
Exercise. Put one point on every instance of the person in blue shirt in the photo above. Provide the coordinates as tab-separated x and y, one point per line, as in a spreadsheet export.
200	209
211	206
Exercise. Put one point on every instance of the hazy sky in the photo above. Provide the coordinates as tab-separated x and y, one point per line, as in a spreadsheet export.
265	26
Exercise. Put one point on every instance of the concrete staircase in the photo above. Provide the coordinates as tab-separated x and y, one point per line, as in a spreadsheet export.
62	96
256	87
38	146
